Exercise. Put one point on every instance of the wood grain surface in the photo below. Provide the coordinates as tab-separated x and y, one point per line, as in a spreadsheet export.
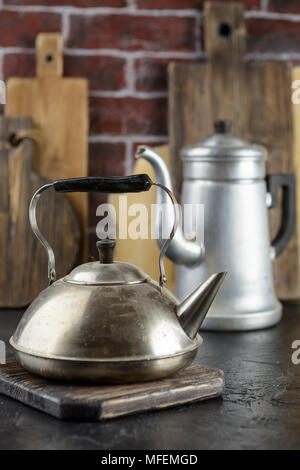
23	261
296	122
94	403
255	97
59	108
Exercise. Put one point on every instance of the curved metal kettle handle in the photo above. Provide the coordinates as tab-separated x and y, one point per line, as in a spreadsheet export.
115	184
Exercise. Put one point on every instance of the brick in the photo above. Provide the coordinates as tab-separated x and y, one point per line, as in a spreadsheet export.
267	35
20	29
105	159
75	3
132	32
285	6
184	4
103	73
19	65
128	116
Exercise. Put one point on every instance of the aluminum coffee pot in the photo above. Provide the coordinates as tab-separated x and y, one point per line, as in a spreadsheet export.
227	175
108	321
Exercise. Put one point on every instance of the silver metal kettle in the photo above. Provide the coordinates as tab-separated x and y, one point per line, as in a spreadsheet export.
228	176
108	321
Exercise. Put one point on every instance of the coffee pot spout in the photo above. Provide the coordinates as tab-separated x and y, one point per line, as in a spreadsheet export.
181	250
192	311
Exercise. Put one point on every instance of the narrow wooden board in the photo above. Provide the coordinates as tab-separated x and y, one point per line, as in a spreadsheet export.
256	97
144	253
270	123
296	122
95	403
23	261
59	108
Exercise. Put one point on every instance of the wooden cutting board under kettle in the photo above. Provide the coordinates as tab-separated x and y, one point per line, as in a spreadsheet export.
59	108
254	96
102	402
23	262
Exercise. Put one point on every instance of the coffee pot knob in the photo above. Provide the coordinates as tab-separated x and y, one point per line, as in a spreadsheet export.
106	250
222	126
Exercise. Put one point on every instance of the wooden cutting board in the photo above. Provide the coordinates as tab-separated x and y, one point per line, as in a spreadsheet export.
296	121
255	97
59	108
95	403
23	261
144	253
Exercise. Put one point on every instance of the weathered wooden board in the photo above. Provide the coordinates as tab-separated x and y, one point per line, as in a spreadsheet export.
141	252
23	261
95	403
59	108
270	123
255	97
296	122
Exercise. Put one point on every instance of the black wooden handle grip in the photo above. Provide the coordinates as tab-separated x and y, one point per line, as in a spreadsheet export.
113	184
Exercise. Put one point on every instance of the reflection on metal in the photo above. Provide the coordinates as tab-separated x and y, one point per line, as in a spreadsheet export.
2	352
2	92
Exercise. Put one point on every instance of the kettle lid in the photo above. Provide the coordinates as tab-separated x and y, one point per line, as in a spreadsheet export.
223	145
107	271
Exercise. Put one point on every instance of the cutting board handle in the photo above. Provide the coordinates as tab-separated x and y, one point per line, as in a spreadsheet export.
49	47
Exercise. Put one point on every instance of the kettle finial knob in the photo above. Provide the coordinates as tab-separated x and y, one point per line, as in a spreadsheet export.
106	250
222	126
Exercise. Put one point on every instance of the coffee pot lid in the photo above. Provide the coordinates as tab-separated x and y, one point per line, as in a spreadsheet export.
107	271
223	146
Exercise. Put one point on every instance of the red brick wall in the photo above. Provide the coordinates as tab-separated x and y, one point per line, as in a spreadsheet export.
123	47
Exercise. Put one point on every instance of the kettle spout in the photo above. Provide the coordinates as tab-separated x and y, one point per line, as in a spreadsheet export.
180	250
193	309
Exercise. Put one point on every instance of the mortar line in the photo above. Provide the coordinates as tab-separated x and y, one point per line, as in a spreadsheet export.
113	53
282	56
1	64
98	138
128	93
135	54
270	15
264	5
197	33
159	55
131	4
65	27
129	157
189	12
130	76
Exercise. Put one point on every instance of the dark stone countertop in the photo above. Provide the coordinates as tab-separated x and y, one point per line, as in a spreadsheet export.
260	408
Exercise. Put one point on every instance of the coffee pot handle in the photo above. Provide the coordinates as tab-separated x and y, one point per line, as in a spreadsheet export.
114	184
288	218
